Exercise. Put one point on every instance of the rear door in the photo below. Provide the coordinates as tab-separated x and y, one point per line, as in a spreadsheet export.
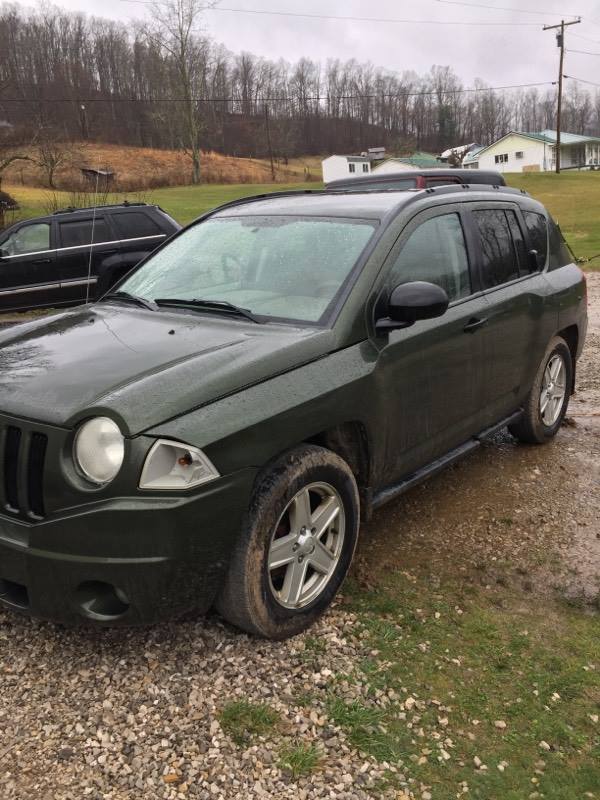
139	234
28	274
518	326
87	246
431	373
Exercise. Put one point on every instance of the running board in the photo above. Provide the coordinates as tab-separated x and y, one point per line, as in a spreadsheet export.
390	492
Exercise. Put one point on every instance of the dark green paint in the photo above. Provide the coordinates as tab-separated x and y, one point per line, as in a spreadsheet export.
245	393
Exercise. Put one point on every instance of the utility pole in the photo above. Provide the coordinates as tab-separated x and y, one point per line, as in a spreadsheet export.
269	142
560	42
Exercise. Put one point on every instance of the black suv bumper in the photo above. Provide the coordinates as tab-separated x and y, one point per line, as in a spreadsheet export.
124	561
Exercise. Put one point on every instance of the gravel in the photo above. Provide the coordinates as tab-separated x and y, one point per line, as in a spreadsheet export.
113	715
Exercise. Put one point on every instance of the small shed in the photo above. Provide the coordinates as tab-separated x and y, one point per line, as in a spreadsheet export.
100	179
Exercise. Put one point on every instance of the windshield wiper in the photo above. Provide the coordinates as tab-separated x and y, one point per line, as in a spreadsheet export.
132	298
209	305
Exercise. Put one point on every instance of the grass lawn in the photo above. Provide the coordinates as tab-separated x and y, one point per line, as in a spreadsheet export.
477	694
573	198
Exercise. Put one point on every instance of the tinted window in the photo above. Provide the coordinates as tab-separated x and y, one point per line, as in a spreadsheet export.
76	234
519	243
30	239
376	186
498	260
436	252
538	235
441	181
559	253
135	224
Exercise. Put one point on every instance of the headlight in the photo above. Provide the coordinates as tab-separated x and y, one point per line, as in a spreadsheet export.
172	465
99	450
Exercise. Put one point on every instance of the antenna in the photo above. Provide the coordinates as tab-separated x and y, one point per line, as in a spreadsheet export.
89	275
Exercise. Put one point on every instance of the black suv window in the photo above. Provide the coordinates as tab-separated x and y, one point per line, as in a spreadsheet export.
498	258
79	233
519	243
436	252
560	255
29	239
538	235
135	224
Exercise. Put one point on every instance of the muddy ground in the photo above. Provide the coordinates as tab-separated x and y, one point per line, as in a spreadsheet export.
510	512
121	715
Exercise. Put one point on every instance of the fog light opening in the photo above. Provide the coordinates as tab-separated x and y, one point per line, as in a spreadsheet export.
101	601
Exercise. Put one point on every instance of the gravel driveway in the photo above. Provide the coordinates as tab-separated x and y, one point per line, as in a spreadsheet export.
131	714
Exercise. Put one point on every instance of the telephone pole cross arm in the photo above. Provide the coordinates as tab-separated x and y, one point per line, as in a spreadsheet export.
560	41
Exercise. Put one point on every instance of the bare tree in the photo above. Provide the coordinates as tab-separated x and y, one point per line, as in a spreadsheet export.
51	153
174	29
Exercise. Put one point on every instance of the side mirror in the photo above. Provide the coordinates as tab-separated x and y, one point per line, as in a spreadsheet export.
409	302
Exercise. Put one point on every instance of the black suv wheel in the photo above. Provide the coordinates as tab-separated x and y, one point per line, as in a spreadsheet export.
296	546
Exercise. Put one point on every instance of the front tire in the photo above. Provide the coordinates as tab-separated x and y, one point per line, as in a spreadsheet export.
296	546
547	402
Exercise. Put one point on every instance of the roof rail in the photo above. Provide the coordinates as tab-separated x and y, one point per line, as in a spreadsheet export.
124	204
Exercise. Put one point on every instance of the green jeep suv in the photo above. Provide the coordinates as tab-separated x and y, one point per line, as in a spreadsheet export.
212	431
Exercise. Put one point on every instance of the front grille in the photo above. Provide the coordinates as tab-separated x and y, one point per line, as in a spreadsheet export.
23	468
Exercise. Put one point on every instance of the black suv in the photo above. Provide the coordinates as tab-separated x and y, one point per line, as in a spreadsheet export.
416	179
68	256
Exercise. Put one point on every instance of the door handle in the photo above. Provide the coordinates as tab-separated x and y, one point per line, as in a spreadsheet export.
474	324
42	261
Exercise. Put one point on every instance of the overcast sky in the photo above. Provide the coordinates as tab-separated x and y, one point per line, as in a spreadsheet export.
497	54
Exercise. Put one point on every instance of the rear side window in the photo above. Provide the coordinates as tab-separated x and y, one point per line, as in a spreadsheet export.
498	257
436	252
135	225
441	181
559	253
519	243
538	235
78	234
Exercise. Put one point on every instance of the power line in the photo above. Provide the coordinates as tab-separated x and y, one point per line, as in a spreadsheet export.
373	19
583	52
342	18
581	80
505	8
584	38
378	96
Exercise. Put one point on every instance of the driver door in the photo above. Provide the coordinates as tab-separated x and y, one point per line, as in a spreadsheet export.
28	276
432	372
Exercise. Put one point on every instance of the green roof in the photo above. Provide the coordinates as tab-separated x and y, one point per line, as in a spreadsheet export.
419	159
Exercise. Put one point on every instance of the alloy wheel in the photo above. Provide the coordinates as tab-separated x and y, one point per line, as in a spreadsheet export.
553	391
306	545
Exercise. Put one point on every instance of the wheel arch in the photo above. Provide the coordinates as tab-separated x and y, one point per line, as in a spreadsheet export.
571	336
350	441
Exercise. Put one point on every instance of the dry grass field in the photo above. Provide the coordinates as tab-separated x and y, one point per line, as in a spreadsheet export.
139	168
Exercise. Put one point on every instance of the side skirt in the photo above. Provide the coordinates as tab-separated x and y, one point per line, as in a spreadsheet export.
395	490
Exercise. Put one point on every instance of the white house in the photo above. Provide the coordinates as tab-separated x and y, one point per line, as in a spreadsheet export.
518	151
337	167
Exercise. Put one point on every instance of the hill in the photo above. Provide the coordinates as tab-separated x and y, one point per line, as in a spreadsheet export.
139	168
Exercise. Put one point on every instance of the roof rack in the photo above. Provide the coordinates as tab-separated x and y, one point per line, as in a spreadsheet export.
71	209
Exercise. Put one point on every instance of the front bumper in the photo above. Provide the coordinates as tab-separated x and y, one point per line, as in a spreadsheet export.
124	561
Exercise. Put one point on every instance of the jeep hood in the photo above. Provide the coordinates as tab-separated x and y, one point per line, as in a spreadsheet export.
142	367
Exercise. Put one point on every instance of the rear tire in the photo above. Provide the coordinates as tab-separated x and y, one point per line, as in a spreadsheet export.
296	544
547	402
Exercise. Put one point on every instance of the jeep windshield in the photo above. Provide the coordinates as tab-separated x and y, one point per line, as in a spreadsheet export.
283	267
